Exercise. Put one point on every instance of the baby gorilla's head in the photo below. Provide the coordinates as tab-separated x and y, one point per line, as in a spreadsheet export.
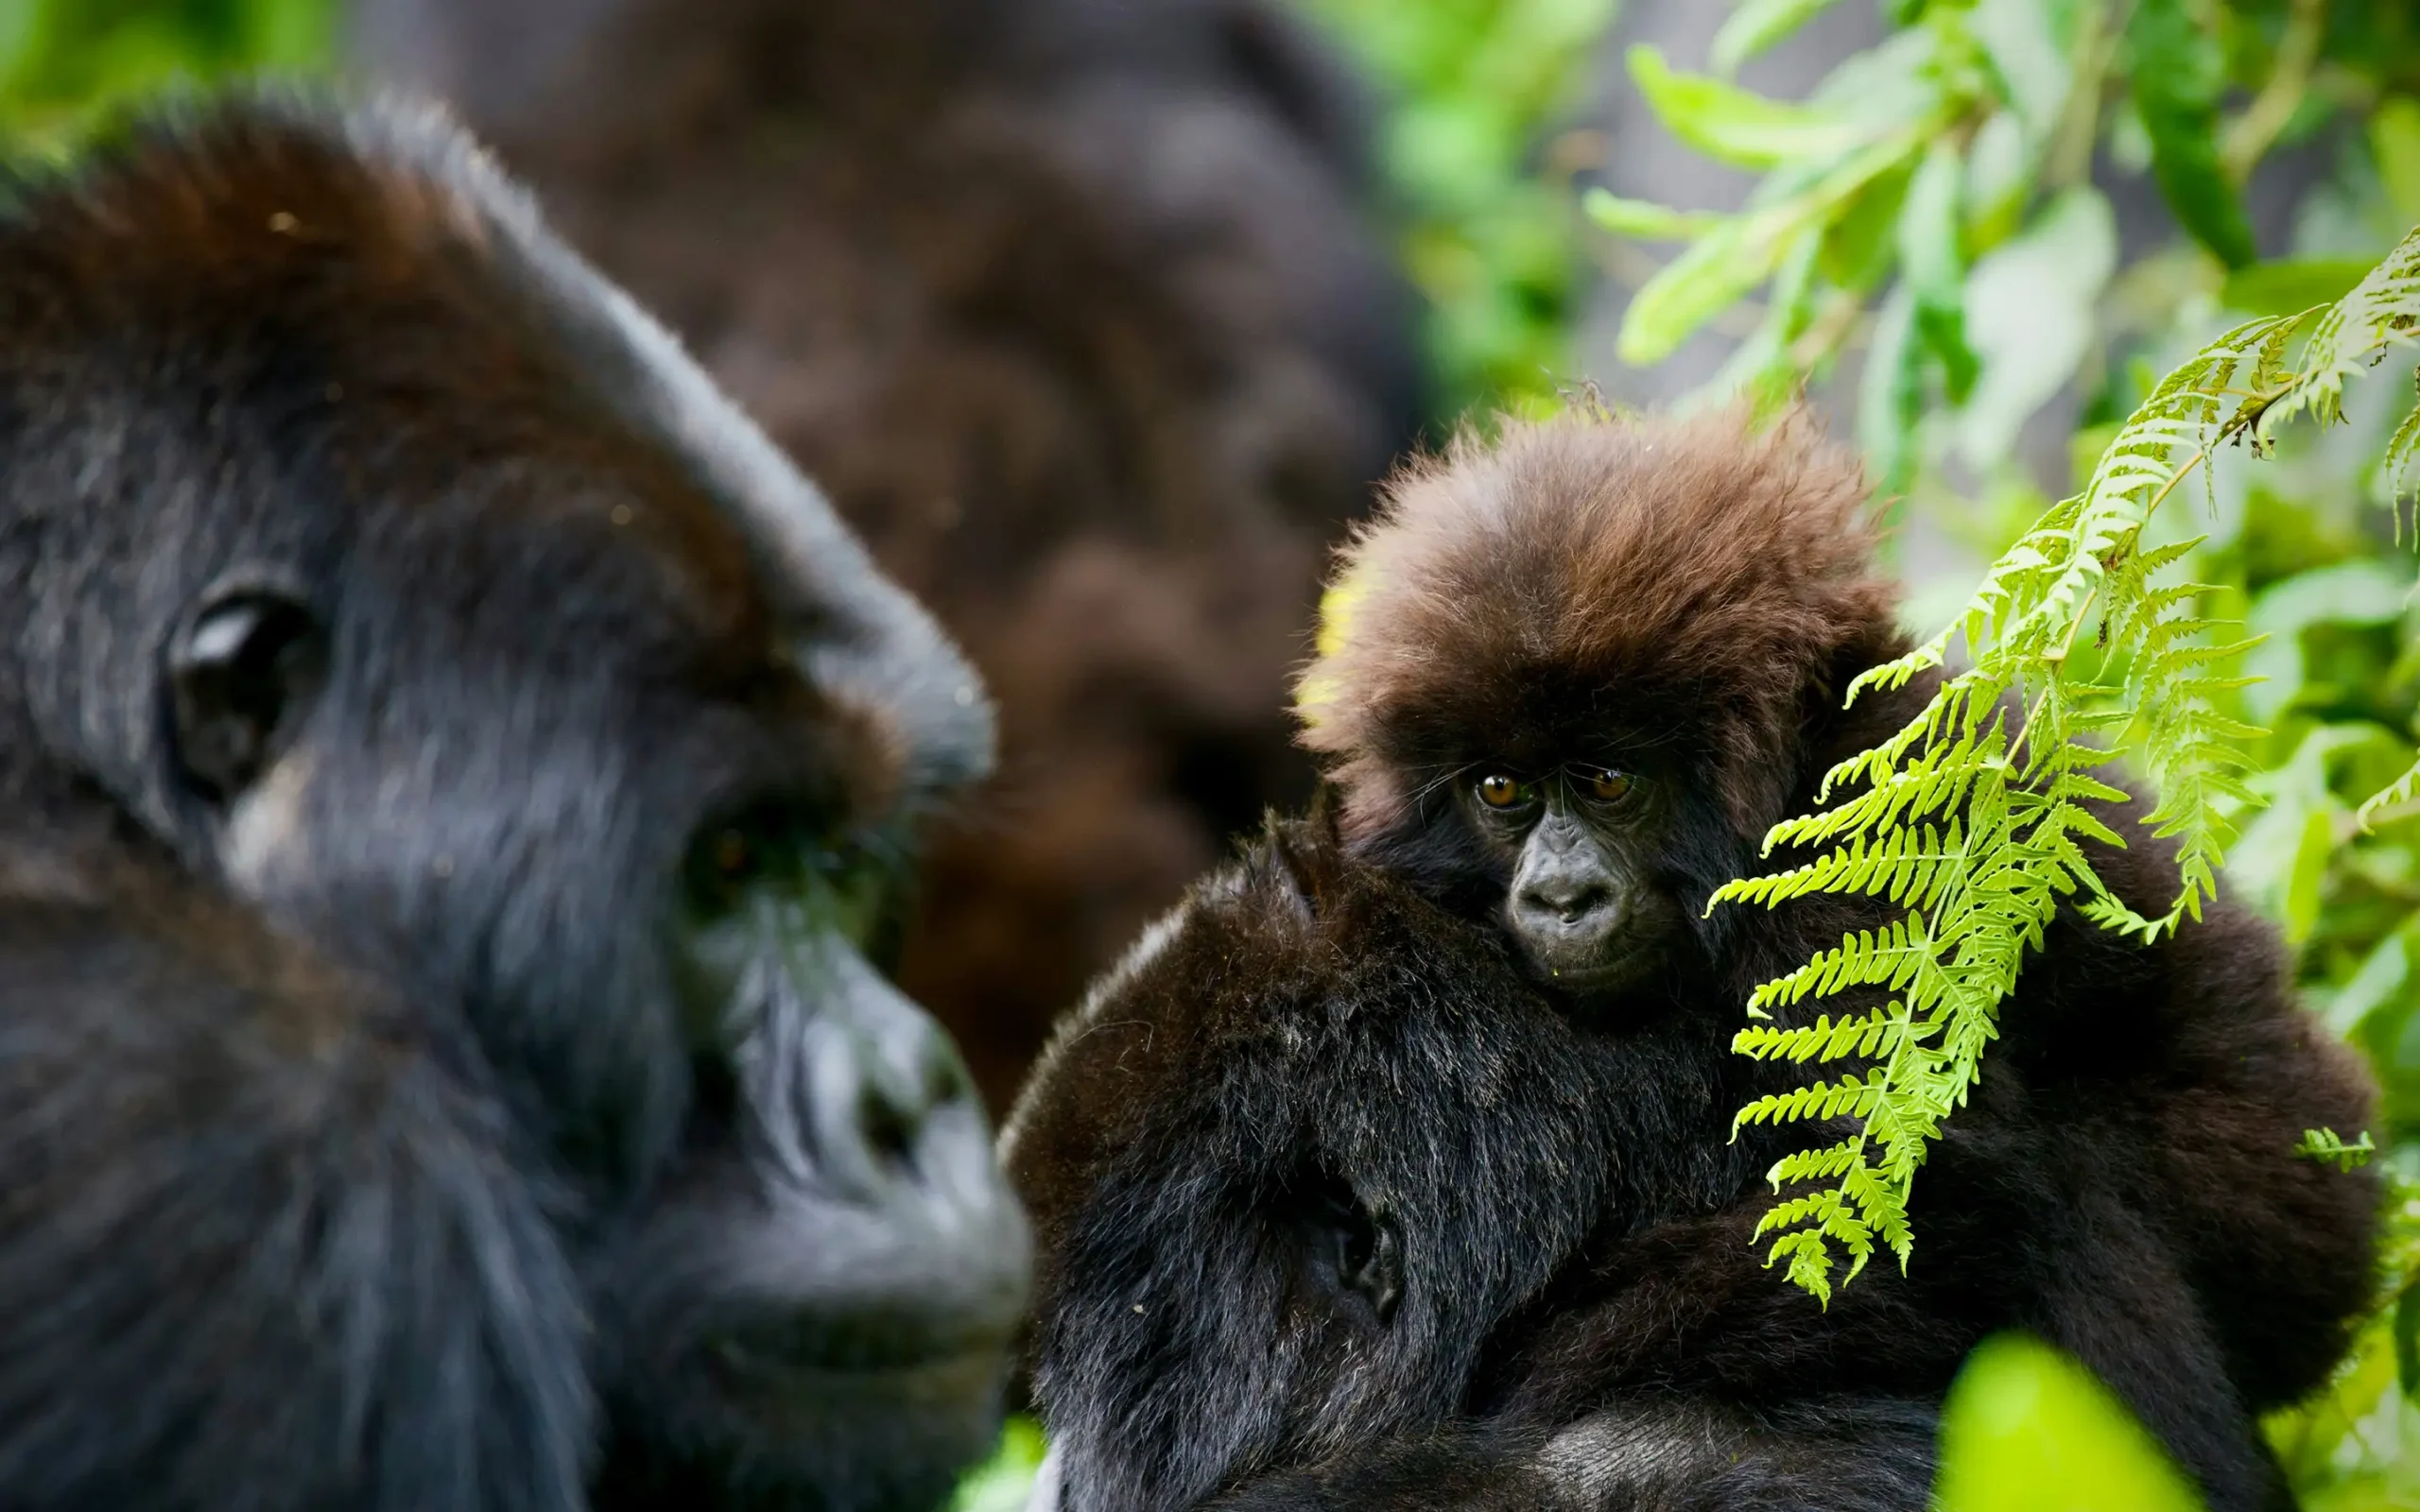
1578	673
1292	1162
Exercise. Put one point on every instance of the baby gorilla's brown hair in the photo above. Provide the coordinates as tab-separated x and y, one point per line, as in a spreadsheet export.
1591	575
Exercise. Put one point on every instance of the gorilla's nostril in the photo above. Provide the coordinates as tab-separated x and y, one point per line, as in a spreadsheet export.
889	1130
945	1080
1568	905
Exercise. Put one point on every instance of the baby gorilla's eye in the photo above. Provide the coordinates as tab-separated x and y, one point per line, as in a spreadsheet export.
1602	783
1497	791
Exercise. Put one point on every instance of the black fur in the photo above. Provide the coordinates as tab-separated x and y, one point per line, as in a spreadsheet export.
380	1128
1585	1319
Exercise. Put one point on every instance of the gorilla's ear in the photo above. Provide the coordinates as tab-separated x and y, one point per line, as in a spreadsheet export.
1308	856
240	675
1324	819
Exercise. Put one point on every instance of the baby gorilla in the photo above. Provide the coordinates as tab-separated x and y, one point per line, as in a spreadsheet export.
1363	1183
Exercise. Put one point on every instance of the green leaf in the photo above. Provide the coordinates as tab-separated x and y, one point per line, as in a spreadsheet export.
1928	228
2029	309
2326	1145
1650	222
1756	26
2406	1340
2379	982
1891	395
1999	184
2290	286
2178	72
2395	142
1856	247
1726	122
2030	62
1718	271
1729	261
2027	1429
1930	223
1004	1482
2303	880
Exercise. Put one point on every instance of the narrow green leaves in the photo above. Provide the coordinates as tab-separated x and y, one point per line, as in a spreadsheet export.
1756	26
1727	122
1735	257
1656	223
1932	266
2030	317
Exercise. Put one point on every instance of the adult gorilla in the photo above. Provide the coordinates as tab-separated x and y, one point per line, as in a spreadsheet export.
452	776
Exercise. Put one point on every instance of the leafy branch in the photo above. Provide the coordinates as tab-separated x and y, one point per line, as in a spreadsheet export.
1976	819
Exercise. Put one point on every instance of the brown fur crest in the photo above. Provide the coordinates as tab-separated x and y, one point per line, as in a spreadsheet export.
1514	601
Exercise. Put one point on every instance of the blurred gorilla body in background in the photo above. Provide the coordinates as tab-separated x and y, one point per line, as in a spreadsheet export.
1072	307
453	775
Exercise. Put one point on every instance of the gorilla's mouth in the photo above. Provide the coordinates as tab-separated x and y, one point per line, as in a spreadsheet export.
1586	972
853	1350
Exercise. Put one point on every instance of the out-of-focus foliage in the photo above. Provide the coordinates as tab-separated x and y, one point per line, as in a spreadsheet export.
1474	89
61	58
1004	1483
1933	241
2027	1429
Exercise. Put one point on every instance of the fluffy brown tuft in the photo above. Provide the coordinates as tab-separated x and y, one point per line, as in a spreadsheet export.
1537	589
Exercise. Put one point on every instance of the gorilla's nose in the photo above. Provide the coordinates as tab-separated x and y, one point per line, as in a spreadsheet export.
1564	904
894	1109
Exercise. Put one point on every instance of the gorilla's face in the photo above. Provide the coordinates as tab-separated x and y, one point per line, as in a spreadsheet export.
583	720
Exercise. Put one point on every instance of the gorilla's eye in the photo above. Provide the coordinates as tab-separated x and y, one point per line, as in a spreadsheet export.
784	848
238	679
1499	791
734	855
1602	783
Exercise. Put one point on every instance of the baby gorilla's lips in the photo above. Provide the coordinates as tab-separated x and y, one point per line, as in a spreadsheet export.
1590	959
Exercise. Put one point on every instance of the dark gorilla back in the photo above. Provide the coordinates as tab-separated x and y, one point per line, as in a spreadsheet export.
1336	1208
1073	307
455	778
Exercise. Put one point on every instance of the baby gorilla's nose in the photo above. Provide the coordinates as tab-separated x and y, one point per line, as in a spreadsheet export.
1567	909
1565	901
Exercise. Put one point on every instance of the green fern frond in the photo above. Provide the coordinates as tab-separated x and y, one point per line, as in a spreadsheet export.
1851	1097
2381	311
1865	1034
1976	824
2395	795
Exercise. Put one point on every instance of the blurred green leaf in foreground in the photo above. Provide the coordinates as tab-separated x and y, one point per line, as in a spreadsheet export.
2029	1430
